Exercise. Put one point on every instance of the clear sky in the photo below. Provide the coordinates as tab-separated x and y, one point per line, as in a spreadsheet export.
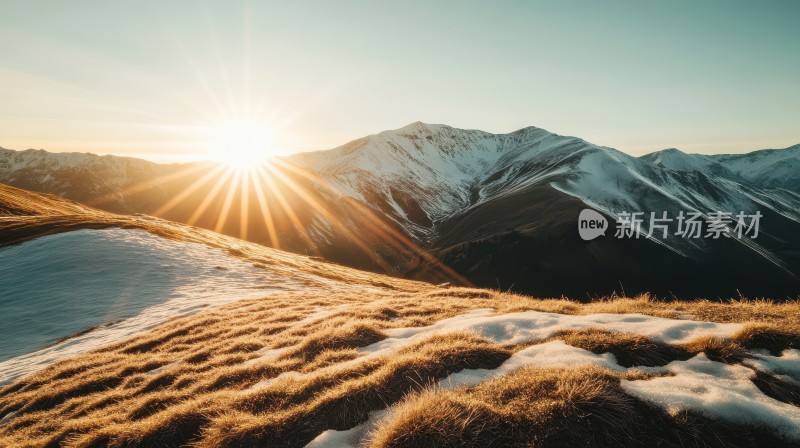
154	78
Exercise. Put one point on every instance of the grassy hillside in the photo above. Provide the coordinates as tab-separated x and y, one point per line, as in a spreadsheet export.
281	370
32	215
364	359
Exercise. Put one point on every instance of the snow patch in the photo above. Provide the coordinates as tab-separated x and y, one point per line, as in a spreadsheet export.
717	390
349	437
106	285
788	364
527	326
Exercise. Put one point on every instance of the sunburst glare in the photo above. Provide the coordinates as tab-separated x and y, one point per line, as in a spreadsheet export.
242	143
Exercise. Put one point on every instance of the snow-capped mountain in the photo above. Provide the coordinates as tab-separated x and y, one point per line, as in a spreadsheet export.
677	160
465	193
767	168
423	174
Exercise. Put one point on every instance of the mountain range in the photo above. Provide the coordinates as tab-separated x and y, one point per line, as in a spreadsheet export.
499	210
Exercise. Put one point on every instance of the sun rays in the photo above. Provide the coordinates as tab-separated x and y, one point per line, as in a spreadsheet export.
240	120
277	203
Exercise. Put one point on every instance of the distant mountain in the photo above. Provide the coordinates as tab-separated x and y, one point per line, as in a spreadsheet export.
86	178
676	160
767	168
499	210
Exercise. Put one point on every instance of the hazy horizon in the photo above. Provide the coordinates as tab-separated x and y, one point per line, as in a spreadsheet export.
154	80
202	158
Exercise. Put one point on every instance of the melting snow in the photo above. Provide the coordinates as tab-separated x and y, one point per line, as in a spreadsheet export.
787	364
349	437
60	285
719	390
518	328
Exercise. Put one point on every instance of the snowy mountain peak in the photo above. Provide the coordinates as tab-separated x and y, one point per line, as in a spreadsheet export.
423	173
437	165
418	126
677	160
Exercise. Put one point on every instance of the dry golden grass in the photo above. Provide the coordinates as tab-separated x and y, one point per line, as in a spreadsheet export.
551	408
278	371
18	202
729	351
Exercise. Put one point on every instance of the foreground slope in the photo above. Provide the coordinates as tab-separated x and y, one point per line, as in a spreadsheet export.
436	368
61	285
356	359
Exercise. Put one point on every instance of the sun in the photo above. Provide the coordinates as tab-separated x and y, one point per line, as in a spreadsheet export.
242	144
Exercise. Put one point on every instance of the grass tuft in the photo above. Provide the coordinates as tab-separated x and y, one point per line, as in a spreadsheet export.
345	403
781	389
772	338
354	335
629	349
717	349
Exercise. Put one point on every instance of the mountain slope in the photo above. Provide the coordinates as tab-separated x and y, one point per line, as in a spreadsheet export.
481	202
36	221
17	202
277	205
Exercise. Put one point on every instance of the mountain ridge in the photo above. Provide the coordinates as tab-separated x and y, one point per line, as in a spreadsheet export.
398	200
765	168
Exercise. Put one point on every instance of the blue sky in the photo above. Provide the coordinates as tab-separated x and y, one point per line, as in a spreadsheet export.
152	78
